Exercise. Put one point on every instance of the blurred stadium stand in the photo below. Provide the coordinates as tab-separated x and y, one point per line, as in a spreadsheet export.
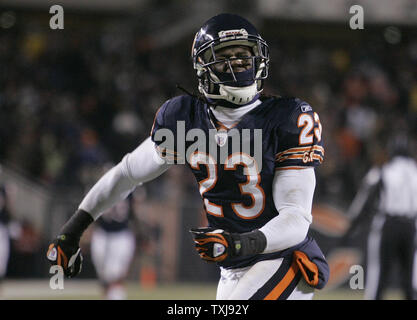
400	12
73	99
94	5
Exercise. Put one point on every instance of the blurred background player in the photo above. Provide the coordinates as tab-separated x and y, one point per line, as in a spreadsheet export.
388	196
113	240
112	249
4	232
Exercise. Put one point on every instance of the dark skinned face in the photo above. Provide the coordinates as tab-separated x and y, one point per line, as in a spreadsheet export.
239	56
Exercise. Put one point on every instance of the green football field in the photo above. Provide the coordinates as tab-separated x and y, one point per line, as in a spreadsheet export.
90	290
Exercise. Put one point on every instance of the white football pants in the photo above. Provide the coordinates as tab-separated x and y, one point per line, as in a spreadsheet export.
266	280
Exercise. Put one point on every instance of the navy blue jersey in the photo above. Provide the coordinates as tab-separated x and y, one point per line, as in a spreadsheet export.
235	167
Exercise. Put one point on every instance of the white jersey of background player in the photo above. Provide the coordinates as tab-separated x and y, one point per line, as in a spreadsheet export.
112	249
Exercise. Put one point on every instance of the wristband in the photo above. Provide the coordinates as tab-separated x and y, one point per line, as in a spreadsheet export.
248	243
76	225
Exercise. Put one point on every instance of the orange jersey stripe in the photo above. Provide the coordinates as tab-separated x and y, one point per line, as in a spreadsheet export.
315	156
284	283
166	150
292	156
300	156
292	150
302	149
318	157
154	120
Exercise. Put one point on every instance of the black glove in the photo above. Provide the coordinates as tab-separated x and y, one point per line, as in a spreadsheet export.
65	249
217	245
65	252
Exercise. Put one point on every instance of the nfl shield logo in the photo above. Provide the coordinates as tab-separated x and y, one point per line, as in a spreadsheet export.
218	250
221	138
52	254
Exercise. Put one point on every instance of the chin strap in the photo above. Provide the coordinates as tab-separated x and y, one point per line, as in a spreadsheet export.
238	96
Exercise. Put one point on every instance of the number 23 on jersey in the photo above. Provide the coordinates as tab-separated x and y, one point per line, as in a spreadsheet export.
251	187
306	122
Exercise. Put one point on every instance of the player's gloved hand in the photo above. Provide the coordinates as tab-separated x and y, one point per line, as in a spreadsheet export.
65	252
217	245
65	249
213	245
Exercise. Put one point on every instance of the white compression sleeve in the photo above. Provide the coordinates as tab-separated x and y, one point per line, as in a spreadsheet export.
142	165
293	192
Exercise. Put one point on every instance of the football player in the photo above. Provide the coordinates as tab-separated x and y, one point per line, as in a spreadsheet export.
253	157
112	248
387	197
4	231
